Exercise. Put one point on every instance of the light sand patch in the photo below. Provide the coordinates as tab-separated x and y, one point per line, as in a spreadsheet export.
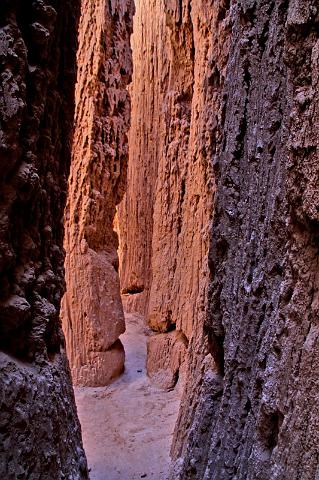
127	427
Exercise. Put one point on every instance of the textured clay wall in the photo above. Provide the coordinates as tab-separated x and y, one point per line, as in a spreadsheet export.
92	311
40	435
135	213
175	112
228	91
256	411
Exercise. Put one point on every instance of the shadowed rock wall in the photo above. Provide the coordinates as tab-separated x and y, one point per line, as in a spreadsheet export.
92	311
40	435
256	409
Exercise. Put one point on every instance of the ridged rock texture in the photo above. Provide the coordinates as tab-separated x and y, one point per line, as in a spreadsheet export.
165	216
92	311
135	213
255	413
40	436
224	140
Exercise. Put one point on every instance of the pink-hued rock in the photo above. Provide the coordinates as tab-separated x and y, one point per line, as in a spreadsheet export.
166	357
92	311
103	366
135	213
218	230
166	213
223	202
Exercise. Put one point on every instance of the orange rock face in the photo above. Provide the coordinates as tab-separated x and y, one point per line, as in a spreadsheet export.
135	213
166	358
164	233
92	311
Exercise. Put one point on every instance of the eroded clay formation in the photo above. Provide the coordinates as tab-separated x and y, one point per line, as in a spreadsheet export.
254	415
92	311
40	435
165	216
219	226
225	99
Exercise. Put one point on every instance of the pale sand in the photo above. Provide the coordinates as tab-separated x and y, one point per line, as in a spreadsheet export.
127	427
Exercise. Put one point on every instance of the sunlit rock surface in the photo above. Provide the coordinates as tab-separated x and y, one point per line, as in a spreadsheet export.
219	227
92	311
165	215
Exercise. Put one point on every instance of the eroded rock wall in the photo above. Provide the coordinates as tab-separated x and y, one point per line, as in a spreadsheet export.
170	183
238	85
92	311
256	409
135	213
40	435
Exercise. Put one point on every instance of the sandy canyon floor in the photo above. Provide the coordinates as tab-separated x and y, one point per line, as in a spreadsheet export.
127	427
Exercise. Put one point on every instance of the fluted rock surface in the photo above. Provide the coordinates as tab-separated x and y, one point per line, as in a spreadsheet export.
164	219
224	140
135	213
40	435
92	311
257	407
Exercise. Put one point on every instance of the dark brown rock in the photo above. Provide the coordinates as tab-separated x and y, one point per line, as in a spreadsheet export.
256	408
40	435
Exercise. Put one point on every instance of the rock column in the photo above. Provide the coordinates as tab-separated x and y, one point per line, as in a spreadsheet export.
92	310
164	221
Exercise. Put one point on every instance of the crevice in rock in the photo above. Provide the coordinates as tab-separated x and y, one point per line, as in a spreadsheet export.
132	290
192	210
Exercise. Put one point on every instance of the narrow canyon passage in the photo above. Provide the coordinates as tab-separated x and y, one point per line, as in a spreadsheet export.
217	252
127	427
127	418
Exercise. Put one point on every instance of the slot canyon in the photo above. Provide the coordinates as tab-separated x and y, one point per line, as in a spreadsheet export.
159	239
